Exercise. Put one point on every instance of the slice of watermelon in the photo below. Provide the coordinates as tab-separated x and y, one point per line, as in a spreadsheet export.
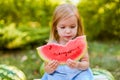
74	50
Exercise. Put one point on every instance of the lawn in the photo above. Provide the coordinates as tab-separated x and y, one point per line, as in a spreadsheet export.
102	55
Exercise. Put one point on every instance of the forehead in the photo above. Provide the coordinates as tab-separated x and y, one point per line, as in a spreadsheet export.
68	20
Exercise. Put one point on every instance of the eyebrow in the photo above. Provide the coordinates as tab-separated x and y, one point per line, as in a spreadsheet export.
72	24
65	24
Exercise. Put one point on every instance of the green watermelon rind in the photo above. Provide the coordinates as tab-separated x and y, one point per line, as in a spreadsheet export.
8	74
42	56
102	72
42	69
39	51
12	72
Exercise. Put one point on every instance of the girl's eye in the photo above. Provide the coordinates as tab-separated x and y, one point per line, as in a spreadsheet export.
62	27
72	26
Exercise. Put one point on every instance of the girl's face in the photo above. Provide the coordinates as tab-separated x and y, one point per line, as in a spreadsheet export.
67	29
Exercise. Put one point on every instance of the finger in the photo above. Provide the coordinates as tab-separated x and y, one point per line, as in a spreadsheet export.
71	63
53	64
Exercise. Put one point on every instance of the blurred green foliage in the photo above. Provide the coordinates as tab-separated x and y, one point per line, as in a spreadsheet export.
101	18
13	37
22	11
27	22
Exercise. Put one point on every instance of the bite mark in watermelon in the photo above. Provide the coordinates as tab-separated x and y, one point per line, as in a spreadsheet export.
74	49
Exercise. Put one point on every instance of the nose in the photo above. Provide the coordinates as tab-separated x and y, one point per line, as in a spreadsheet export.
67	30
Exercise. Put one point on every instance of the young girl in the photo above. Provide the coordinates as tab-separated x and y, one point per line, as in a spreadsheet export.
67	26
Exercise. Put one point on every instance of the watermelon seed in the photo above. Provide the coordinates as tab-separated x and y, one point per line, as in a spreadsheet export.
50	47
69	51
66	54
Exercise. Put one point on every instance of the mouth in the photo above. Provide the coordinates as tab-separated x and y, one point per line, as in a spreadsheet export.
67	37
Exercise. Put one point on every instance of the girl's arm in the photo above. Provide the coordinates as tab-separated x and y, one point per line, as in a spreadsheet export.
84	62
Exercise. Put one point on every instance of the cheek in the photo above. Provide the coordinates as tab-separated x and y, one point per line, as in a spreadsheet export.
75	31
60	32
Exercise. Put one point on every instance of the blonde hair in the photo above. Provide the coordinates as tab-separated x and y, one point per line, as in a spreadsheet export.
63	11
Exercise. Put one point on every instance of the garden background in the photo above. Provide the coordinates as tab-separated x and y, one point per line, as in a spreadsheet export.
25	24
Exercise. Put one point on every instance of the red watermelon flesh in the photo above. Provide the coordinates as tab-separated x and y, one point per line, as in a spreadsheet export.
74	49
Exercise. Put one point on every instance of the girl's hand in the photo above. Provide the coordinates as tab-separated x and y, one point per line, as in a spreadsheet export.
51	66
72	63
82	65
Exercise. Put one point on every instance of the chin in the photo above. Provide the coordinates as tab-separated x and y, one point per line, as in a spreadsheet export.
67	39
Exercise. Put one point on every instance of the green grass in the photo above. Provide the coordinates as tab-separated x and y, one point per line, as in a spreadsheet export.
28	61
102	55
106	56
